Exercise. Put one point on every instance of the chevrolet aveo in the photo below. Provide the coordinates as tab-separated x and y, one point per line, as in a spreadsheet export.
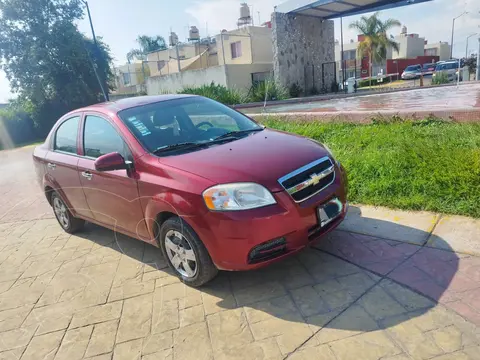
208	185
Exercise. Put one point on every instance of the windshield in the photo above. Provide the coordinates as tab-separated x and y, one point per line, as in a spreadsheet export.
188	121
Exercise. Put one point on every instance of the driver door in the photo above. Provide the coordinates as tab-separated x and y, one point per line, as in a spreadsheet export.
112	196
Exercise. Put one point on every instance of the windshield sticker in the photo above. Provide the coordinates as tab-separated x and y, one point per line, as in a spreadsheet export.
139	126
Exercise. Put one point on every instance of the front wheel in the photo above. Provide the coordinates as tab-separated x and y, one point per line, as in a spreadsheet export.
67	221
185	253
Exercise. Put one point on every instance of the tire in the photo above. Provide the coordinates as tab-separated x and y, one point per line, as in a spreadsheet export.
67	221
175	231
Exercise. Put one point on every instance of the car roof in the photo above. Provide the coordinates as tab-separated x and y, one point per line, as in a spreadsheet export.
122	104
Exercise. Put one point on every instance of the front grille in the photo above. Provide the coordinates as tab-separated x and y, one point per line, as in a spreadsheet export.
310	179
267	251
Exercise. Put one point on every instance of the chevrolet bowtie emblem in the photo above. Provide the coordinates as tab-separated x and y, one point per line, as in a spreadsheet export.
315	179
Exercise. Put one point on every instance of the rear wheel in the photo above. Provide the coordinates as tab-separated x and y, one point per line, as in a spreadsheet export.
185	253
67	221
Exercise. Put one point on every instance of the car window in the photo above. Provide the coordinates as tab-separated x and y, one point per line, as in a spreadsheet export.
100	138
66	136
200	112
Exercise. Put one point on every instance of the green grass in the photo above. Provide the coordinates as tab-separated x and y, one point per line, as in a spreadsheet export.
424	165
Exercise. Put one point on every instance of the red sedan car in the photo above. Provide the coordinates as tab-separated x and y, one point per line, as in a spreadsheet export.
208	185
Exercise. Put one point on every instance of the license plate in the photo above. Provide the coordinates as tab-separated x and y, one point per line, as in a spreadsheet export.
329	211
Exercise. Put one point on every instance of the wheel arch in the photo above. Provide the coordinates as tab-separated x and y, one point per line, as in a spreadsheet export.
48	190
160	218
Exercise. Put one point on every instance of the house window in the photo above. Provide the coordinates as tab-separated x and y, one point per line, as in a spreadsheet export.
126	79
236	48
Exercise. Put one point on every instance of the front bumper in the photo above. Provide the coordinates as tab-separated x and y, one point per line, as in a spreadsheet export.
230	237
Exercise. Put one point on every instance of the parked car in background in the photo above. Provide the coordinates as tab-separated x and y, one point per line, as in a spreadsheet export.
412	72
208	185
450	68
428	69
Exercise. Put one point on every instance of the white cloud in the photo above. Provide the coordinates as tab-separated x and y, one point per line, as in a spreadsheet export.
432	20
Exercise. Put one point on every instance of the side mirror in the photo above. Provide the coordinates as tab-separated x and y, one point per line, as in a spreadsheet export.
111	161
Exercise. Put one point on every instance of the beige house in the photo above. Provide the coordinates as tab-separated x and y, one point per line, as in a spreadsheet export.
440	49
237	59
410	46
248	45
130	78
194	55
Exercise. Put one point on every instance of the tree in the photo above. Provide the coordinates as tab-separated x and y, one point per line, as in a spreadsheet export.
147	44
471	62
48	62
375	40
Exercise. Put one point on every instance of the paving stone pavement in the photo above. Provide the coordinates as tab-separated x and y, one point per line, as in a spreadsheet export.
360	293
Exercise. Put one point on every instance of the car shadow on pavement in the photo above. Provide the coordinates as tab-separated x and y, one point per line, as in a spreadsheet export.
345	281
348	281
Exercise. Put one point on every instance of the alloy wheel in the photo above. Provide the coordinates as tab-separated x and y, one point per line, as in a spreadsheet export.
61	212
180	253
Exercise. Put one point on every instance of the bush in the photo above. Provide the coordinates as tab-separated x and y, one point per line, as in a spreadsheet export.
334	87
270	88
366	82
295	90
17	128
216	92
440	78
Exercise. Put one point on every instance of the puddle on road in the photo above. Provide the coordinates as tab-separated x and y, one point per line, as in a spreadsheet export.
449	97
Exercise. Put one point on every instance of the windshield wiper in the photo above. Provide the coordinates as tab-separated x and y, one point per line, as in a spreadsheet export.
185	145
238	132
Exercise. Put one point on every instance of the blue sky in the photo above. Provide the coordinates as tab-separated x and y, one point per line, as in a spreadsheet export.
119	22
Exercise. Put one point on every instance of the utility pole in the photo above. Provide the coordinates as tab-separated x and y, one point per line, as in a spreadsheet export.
178	57
105	94
453	31
478	61
466	48
341	56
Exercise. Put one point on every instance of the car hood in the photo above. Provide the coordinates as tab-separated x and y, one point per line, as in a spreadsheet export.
261	157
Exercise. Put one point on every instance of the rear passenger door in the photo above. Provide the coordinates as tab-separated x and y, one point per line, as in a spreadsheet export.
62	166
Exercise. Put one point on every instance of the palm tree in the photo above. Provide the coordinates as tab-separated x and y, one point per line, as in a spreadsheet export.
147	44
375	41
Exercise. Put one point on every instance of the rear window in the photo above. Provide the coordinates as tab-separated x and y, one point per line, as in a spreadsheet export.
427	66
66	136
412	68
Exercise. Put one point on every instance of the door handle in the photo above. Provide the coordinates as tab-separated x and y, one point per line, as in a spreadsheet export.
51	166
88	175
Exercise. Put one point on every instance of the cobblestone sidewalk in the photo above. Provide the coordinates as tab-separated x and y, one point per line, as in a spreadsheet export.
386	285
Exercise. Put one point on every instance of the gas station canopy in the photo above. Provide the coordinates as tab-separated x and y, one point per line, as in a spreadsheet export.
330	9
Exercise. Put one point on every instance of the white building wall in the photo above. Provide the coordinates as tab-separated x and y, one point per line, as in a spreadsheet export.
174	82
411	46
441	49
232	76
240	76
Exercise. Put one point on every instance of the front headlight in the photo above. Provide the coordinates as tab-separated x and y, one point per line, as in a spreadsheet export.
237	196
